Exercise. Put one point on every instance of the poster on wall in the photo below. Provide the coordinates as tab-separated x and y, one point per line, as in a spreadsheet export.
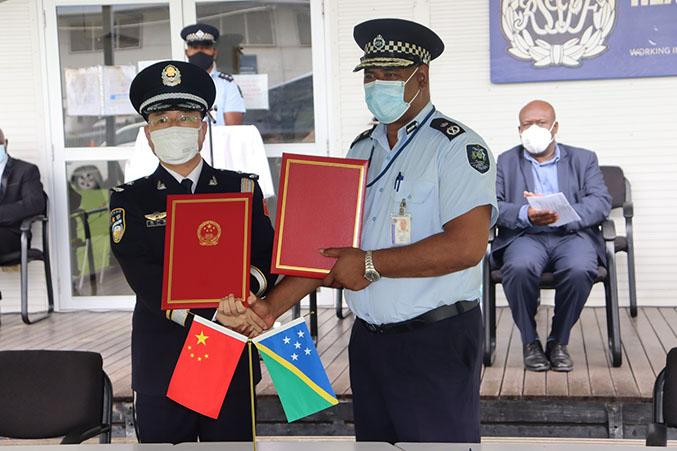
99	90
543	40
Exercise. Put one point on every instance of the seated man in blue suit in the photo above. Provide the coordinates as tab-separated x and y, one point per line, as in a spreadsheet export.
528	245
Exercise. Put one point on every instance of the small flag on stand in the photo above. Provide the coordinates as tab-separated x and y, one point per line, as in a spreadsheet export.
296	370
205	367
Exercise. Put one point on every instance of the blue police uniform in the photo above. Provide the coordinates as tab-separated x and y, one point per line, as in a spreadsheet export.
229	97
415	348
137	240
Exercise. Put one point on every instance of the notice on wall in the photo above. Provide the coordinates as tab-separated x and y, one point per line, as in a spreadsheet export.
99	90
540	40
254	90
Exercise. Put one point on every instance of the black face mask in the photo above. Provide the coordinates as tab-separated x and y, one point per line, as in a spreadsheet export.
201	60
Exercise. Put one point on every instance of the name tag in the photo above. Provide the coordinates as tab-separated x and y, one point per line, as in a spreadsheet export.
156	223
400	229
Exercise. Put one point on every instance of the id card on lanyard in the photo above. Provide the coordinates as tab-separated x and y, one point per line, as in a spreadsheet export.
400	226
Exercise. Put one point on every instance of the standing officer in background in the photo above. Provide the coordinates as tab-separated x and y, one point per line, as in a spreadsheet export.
201	51
173	97
415	347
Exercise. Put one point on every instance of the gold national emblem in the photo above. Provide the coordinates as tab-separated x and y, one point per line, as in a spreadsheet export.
171	76
208	233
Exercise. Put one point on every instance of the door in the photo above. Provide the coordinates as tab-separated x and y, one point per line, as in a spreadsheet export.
95	47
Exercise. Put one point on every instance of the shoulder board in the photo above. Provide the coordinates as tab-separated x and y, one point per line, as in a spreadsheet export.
449	128
226	77
248	175
117	189
364	135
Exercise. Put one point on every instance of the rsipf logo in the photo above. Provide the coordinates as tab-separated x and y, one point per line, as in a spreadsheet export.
557	32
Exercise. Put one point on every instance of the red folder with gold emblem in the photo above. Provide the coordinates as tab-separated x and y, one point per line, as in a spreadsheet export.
320	205
207	242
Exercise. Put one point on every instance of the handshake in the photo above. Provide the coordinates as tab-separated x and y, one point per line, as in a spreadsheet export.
250	321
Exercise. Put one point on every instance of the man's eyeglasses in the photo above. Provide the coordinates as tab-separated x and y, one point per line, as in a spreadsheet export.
183	120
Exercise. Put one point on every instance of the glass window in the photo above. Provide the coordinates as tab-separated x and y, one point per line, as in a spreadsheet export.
101	48
94	269
271	38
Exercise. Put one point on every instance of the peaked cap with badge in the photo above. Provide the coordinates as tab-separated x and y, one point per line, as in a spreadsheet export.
200	35
171	85
396	43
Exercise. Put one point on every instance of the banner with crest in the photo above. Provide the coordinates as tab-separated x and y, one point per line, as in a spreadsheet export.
541	40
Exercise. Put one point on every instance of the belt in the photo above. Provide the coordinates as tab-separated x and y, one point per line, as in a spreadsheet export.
430	317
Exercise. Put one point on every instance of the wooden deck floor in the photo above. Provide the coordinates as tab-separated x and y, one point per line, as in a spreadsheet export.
646	340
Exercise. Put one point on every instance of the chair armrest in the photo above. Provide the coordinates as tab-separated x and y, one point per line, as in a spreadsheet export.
27	223
628	209
608	230
78	437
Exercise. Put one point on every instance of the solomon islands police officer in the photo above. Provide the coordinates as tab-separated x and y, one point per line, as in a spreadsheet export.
415	347
201	50
173	97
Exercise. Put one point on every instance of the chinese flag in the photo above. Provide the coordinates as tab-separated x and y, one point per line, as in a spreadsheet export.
205	367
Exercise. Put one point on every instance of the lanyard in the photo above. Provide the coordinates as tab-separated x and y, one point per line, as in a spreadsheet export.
406	143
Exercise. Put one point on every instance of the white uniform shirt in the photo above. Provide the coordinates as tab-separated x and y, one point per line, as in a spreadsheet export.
228	96
446	170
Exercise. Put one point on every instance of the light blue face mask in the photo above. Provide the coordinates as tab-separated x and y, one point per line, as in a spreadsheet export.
385	99
3	153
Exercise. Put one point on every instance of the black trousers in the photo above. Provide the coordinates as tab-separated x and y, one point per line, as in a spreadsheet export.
418	386
10	240
161	420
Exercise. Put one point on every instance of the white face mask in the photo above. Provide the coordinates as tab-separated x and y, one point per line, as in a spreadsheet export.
536	139
175	145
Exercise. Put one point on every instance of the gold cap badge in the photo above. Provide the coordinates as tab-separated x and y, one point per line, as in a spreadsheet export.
171	76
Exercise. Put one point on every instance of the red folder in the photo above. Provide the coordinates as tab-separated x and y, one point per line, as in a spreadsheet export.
320	205
207	242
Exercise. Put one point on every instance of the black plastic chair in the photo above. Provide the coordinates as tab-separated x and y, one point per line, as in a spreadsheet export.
47	394
621	194
28	254
607	275
664	403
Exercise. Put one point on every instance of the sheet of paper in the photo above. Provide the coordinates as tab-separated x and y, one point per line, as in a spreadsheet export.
557	203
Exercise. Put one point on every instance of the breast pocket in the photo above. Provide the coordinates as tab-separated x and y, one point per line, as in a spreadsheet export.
419	202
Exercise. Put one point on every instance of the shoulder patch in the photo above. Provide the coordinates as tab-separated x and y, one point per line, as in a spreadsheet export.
117	224
226	77
478	157
450	129
364	135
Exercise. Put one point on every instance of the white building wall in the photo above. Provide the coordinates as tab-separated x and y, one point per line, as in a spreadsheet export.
629	123
22	118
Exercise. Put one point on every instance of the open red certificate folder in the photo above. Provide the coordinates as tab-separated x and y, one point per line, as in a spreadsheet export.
319	205
207	242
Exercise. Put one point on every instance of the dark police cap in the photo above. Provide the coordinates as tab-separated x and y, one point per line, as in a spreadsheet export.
171	85
396	43
200	34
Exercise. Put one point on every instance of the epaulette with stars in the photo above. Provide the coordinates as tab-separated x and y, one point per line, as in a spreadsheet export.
449	128
364	135
226	77
121	188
